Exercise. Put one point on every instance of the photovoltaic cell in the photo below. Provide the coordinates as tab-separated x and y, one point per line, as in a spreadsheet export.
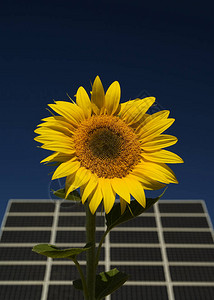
22	272
135	254
25	236
193	292
182	222
74	236
190	237
32	207
142	273
140	222
66	292
192	273
70	221
20	292
181	208
191	254
32	221
19	254
141	292
148	237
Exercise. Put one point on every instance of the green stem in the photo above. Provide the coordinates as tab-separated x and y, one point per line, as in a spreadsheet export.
90	254
85	289
99	247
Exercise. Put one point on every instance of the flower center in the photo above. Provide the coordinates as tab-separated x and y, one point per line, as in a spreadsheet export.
105	143
107	146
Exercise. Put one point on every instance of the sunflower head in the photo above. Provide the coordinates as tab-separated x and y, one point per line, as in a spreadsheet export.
107	148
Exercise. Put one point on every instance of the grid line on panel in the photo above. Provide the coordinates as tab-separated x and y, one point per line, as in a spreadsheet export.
49	260
210	246
208	219
5	218
164	254
31	214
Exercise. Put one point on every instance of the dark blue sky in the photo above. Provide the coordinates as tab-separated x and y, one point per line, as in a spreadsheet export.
50	48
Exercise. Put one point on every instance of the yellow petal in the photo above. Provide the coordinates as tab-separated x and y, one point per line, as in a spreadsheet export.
60	128
157	171
96	198
73	108
120	187
154	128
148	183
123	204
59	147
112	98
59	140
60	157
163	114
136	189
91	185
133	111
71	112
80	177
108	194
83	101
161	141
162	156
49	132
63	127
66	168
97	96
58	121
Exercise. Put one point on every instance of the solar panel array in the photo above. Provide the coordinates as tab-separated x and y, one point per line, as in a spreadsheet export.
168	252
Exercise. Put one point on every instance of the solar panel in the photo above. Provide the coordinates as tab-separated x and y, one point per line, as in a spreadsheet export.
168	252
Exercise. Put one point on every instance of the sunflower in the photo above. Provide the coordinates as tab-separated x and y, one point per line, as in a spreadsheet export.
107	148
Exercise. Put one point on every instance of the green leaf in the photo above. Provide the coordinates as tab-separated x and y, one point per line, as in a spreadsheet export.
73	196
54	252
106	283
134	209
